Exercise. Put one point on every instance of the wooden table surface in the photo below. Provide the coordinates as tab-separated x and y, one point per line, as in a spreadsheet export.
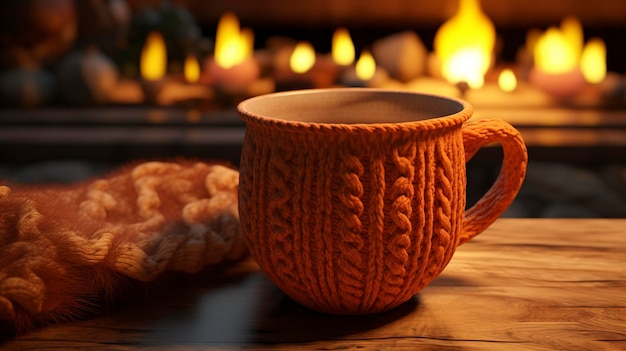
524	284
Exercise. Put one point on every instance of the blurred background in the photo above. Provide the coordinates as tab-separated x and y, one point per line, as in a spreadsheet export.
88	85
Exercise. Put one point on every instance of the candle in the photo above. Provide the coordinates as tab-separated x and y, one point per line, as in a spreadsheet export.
234	80
153	66
233	68
556	57
593	61
300	67
191	69
507	81
187	91
343	52
365	73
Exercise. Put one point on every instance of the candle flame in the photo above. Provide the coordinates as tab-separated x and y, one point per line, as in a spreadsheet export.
232	44
365	66
507	80
573	33
553	54
465	43
302	58
246	38
558	50
342	47
465	65
191	69
153	60
593	61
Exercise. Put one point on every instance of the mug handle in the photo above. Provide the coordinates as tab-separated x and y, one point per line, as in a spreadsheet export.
502	193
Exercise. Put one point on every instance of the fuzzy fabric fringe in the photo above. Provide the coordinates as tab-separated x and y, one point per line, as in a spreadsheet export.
64	249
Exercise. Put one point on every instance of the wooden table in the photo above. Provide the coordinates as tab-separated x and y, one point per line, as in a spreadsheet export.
524	284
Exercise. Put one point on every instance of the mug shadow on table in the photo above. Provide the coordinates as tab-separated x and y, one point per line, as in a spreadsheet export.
241	307
253	311
288	322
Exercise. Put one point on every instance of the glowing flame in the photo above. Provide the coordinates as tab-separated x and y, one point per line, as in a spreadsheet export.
232	45
246	38
466	65
507	80
191	69
153	60
342	47
464	45
365	66
573	33
593	61
553	54
558	50
302	58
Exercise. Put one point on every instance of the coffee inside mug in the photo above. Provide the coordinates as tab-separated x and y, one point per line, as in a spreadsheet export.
345	106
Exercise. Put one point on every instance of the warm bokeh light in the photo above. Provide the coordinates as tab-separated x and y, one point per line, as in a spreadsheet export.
153	60
464	45
342	47
572	32
365	66
553	54
593	61
507	80
191	69
246	37
465	65
302	58
232	45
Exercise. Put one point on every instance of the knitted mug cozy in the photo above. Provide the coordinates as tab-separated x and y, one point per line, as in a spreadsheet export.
353	200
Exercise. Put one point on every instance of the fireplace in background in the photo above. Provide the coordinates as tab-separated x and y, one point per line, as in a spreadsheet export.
577	150
371	19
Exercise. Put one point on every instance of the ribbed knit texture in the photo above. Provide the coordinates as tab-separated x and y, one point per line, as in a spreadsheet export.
354	219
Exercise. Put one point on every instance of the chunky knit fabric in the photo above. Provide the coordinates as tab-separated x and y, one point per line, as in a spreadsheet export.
357	218
67	250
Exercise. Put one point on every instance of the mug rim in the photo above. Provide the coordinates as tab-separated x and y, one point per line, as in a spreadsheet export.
453	119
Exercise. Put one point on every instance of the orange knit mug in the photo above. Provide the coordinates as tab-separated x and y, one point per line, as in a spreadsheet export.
353	200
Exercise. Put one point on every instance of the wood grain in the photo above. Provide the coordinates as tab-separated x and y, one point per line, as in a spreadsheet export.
524	284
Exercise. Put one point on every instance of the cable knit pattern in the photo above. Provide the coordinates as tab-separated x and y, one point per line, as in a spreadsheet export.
282	209
442	245
399	196
63	248
350	209
357	218
375	230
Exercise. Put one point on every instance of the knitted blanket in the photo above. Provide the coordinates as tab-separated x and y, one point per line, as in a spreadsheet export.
64	250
